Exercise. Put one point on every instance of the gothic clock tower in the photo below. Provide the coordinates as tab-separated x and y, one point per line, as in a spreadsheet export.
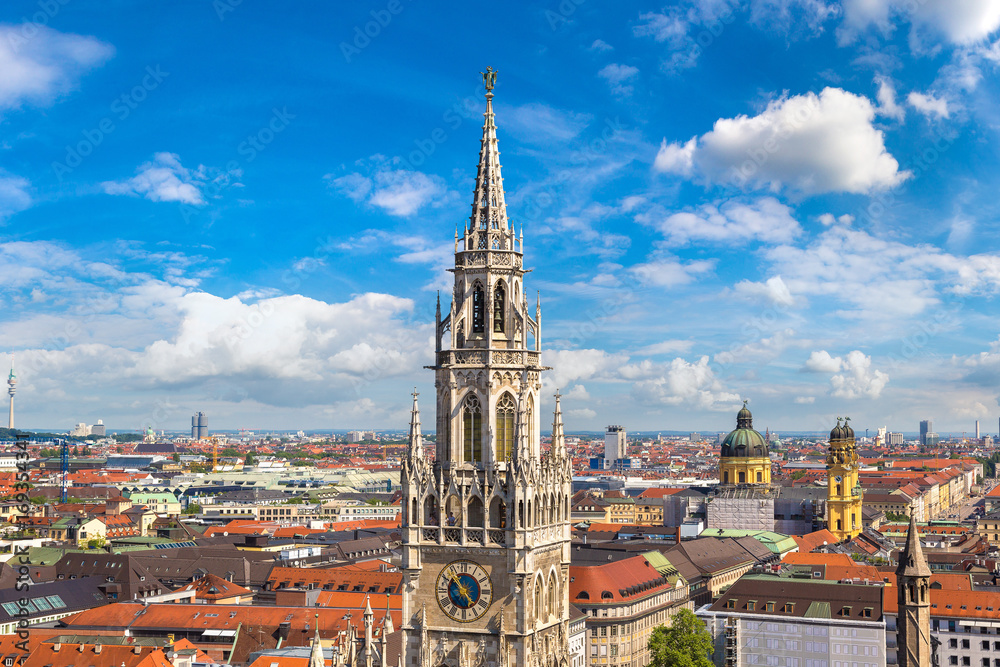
486	536
844	495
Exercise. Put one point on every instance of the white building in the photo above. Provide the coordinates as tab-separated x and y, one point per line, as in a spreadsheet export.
614	444
783	620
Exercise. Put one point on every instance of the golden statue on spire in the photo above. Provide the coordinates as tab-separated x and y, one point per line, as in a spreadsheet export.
489	78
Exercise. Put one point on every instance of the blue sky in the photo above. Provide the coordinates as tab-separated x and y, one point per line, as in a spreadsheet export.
243	210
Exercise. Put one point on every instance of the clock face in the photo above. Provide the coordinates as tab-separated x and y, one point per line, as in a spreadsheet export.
464	590
839	478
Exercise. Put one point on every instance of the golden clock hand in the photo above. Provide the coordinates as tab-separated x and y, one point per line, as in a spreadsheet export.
461	589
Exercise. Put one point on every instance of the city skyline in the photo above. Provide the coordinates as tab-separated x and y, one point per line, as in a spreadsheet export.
780	201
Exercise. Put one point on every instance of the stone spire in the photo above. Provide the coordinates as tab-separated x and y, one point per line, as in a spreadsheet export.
416	442
489	228
369	621
913	626
316	658
911	560
558	448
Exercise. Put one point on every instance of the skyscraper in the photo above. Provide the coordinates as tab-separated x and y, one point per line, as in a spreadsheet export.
614	444
486	533
926	426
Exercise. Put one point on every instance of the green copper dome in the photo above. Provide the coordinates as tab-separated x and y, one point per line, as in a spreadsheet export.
744	442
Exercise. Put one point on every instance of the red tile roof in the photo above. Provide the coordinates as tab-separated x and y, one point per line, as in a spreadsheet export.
625	580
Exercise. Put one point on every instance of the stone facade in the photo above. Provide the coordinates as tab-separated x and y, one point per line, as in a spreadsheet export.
486	530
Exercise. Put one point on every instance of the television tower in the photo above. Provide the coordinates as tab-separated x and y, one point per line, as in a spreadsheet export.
11	389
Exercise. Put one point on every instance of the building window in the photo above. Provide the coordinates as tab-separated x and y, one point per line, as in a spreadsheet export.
769	606
752	605
472	429
478	314
498	308
505	427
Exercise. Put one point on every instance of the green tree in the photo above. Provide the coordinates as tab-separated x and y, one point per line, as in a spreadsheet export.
96	543
249	460
686	643
176	457
192	508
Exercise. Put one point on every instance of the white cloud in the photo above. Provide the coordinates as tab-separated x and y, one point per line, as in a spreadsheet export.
543	124
858	379
679	382
570	366
820	361
398	192
852	375
670	271
805	400
665	347
828	219
928	105
39	64
14	195
887	105
765	219
162	179
773	291
956	21
618	77
797	17
807	143
601	45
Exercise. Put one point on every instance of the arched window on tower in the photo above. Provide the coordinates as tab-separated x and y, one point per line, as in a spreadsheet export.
506	411
478	309
743	478
499	296
760	477
472	429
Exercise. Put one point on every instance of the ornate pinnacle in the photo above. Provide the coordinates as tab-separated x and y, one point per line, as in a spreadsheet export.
489	79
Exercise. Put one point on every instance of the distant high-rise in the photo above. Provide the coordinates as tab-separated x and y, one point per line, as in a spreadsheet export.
11	388
199	426
98	428
977	430
926	426
614	444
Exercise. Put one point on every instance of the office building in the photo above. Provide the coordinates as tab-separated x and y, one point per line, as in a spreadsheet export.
926	426
614	444
199	426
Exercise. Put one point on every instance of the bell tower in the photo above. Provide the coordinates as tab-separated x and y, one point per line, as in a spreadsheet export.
913	623
844	494
486	533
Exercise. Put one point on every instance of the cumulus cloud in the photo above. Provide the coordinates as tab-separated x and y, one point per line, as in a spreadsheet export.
679	382
852	376
601	45
805	400
39	64
806	143
886	96
773	291
828	219
398	192
821	361
928	105
765	219
164	178
618	77
14	196
858	379
955	21
570	366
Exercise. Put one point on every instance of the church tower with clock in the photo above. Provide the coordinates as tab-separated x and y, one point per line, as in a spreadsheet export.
486	534
844	493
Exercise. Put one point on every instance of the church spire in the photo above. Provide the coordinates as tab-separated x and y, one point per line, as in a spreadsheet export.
558	448
911	560
489	228
416	442
316	658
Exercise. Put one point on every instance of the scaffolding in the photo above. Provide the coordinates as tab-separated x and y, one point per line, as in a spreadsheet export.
732	643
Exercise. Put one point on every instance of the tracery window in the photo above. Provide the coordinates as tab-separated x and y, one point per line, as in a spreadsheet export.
472	429
499	297
505	427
